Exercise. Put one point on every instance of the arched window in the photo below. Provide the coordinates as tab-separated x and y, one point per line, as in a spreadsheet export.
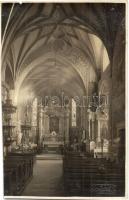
73	112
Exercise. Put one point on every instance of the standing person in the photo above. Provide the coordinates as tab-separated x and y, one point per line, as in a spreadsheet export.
102	143
75	145
87	145
43	142
81	145
84	146
92	147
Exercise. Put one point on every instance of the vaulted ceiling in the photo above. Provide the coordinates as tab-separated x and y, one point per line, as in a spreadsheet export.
49	48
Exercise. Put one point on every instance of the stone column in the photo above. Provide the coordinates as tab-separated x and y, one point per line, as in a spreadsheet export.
67	128
92	125
43	122
61	125
46	124
15	118
17	123
40	124
93	129
82	117
89	117
89	129
99	139
20	121
85	119
34	133
34	125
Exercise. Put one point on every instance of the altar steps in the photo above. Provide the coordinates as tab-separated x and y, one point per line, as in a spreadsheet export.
50	156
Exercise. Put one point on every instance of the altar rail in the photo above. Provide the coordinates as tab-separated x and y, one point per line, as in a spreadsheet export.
18	170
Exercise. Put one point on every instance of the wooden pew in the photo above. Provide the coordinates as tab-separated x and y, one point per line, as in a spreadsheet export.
8	186
89	176
18	168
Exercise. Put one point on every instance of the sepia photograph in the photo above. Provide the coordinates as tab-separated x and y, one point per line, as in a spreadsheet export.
63	99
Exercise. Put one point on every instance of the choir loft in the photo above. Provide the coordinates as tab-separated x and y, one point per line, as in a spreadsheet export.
63	99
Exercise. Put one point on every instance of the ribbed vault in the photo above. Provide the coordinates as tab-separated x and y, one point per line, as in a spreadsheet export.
55	47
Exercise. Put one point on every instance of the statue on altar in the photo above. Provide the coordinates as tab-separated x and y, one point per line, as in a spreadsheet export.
53	135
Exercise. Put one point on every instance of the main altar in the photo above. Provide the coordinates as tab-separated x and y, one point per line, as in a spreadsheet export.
53	128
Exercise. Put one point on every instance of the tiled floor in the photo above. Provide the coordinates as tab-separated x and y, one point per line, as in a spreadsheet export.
47	179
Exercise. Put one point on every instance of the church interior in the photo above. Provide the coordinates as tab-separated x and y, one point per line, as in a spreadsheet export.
63	99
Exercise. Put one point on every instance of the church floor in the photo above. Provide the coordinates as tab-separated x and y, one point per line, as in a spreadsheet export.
47	179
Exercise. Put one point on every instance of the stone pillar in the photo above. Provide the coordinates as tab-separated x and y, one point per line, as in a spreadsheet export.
89	129
43	122
15	119
89	119
82	117
67	128
61	125
18	125
98	138
34	122
93	129
17	131
85	118
39	126
34	133
46	124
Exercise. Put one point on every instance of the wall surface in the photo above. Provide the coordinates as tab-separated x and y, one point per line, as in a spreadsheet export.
118	81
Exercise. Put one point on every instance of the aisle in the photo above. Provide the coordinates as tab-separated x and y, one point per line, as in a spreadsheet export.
47	179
